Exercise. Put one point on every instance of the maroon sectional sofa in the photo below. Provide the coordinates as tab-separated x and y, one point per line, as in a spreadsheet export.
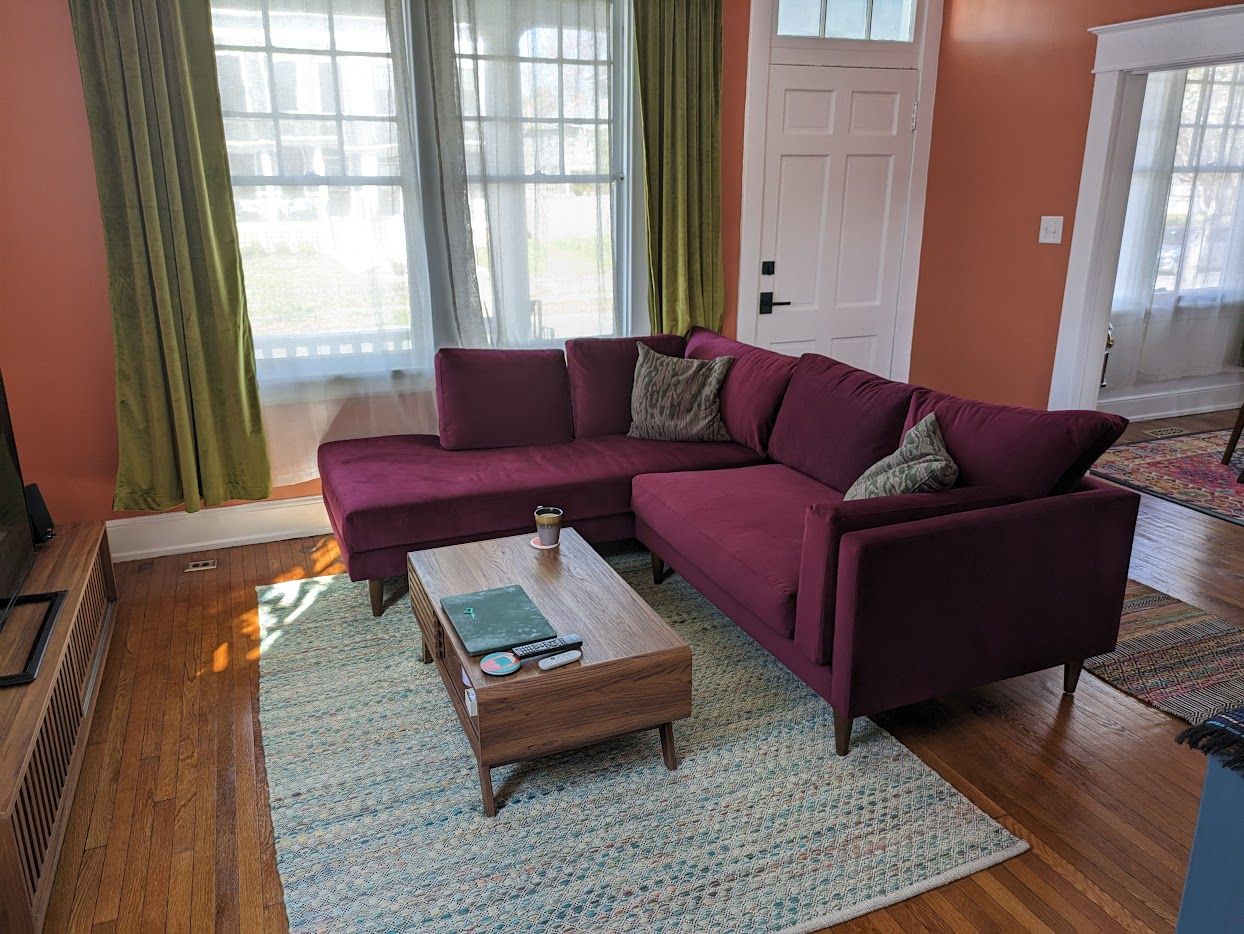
873	603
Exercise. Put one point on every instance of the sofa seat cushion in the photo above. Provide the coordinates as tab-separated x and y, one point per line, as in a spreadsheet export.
602	375
753	389
1028	452
743	528
837	421
408	490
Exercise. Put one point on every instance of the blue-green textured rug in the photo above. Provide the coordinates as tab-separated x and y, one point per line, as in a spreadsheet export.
378	826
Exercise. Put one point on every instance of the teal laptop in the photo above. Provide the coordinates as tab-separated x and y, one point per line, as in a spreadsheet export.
496	620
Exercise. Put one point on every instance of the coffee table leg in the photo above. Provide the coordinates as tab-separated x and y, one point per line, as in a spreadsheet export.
427	653
667	746
485	789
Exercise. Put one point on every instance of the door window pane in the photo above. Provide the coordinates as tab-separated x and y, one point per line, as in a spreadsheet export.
846	19
870	20
799	18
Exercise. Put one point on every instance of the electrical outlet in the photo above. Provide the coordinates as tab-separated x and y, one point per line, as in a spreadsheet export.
1051	230
207	565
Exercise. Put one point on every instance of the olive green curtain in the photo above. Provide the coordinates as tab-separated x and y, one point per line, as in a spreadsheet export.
678	44
188	419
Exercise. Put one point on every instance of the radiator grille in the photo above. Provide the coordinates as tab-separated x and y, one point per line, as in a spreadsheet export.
39	797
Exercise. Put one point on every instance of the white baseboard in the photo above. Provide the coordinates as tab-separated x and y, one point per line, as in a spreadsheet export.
1192	400
177	533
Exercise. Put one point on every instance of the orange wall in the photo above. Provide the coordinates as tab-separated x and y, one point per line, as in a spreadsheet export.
55	323
1013	91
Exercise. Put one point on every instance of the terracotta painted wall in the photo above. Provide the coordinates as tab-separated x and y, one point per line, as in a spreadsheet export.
55	323
1013	93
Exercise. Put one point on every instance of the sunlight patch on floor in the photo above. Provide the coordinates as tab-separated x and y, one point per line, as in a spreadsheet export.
289	600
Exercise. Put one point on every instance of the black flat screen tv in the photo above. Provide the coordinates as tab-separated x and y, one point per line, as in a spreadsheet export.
17	549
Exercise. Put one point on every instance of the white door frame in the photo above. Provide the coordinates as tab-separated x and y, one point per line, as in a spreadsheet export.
1126	52
759	58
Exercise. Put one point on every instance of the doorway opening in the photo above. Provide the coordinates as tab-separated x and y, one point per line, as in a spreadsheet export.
1176	328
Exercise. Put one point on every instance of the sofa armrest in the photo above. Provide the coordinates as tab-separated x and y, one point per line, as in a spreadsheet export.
950	603
824	526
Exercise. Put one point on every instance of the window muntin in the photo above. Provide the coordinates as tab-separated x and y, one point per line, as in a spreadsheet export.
311	125
866	20
544	170
1205	185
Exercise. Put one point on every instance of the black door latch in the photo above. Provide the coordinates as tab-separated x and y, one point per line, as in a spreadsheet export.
767	304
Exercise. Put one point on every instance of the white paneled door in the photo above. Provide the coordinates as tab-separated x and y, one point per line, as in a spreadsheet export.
838	153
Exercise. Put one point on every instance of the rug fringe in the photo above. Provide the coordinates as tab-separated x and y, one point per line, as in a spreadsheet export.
1214	741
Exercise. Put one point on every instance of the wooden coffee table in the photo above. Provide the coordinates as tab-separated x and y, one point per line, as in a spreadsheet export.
635	673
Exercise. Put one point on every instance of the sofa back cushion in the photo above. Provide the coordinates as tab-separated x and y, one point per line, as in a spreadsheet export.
837	421
502	398
754	386
1028	452
602	374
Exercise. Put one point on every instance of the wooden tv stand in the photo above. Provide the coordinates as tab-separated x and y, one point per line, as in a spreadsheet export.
44	724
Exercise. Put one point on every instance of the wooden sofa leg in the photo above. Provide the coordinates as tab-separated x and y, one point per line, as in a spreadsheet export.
1071	676
375	590
658	569
842	733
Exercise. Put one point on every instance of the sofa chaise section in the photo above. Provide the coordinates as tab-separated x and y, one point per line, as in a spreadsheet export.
517	431
390	495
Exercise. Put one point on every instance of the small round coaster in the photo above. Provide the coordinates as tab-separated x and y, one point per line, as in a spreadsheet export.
535	543
499	663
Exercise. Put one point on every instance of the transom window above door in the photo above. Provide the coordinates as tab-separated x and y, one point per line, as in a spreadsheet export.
867	20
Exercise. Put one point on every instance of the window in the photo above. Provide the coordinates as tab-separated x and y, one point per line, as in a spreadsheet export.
871	20
327	195
1178	304
311	123
1204	187
540	106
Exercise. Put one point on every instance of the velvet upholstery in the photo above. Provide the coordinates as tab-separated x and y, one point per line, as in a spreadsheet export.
825	525
745	526
836	421
407	490
1001	592
1028	451
501	398
753	389
873	603
602	373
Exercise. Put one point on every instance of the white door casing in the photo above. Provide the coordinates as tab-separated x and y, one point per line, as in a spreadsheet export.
837	171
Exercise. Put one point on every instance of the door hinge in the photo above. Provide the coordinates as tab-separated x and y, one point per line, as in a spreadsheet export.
915	109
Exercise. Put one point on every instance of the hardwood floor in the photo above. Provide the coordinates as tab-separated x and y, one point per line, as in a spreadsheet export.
170	828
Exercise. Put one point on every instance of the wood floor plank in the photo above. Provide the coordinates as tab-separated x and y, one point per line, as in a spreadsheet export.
171	827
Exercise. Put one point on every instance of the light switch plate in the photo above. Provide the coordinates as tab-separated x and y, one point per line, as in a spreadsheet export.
1051	230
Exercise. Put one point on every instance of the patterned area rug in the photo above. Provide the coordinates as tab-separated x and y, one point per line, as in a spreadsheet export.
1175	657
1186	469
377	814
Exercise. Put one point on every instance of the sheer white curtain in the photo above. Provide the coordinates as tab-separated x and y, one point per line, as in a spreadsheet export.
1178	306
411	174
538	101
329	219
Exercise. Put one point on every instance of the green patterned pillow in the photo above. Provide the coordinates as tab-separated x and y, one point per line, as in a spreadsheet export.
920	465
676	399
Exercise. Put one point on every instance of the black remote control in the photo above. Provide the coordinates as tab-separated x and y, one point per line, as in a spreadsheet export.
558	644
